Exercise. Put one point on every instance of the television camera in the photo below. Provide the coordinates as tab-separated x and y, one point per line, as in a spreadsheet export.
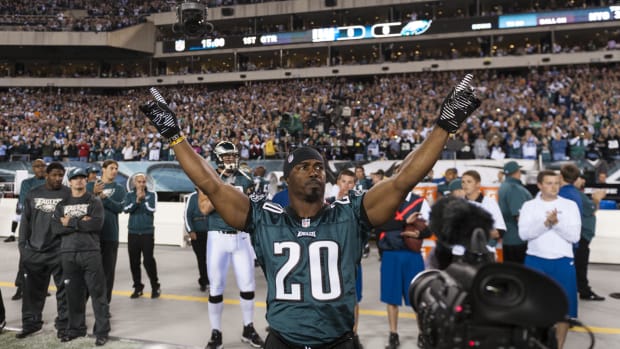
192	20
472	302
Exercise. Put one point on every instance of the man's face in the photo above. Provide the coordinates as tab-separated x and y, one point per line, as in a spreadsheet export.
549	187
78	182
229	158
109	173
450	175
375	178
139	182
345	183
54	179
307	180
259	171
470	185
38	167
359	173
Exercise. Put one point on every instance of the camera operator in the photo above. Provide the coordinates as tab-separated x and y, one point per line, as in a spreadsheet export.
453	221
470	299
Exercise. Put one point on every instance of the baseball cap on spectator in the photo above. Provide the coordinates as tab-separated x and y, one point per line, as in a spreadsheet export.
511	167
379	172
77	172
92	169
456	184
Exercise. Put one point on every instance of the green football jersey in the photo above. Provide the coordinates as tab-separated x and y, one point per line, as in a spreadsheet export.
245	184
310	266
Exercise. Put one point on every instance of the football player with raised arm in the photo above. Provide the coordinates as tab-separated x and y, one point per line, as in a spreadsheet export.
309	250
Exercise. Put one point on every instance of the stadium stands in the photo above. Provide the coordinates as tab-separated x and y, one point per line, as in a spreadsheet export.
532	108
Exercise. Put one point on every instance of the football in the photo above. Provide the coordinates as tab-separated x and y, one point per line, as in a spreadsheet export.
415	244
419	225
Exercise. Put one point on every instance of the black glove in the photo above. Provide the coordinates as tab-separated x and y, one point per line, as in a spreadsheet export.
458	105
161	116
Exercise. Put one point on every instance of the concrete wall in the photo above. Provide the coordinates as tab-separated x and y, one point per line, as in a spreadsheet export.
169	228
139	37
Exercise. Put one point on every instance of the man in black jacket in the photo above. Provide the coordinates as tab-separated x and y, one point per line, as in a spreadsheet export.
78	220
39	249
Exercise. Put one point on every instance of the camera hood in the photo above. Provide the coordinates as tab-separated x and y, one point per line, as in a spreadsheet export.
511	294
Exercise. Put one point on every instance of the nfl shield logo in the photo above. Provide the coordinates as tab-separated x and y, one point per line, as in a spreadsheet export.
305	222
179	45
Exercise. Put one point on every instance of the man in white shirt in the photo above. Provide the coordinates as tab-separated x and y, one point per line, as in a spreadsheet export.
470	182
551	225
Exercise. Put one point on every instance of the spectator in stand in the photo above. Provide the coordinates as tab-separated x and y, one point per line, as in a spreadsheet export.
83	150
154	149
529	145
558	147
128	151
612	145
481	147
349	134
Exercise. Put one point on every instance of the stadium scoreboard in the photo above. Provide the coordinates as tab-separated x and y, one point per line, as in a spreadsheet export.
410	29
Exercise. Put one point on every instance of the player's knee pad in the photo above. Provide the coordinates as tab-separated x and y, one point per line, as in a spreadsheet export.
247	295
216	299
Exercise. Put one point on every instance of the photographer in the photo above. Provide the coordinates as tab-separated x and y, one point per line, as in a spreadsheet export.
453	221
470	299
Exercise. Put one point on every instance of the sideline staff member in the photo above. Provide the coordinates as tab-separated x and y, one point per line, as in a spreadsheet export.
196	211
111	195
78	219
140	204
309	250
40	252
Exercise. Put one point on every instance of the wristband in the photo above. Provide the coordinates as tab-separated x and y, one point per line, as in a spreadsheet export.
176	140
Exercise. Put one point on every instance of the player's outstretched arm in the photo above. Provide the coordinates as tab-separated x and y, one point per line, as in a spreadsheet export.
383	198
229	202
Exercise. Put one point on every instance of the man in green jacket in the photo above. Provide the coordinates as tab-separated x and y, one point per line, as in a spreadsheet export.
111	195
512	194
140	204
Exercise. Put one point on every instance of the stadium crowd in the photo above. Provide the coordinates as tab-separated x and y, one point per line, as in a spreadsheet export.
97	16
76	15
557	113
